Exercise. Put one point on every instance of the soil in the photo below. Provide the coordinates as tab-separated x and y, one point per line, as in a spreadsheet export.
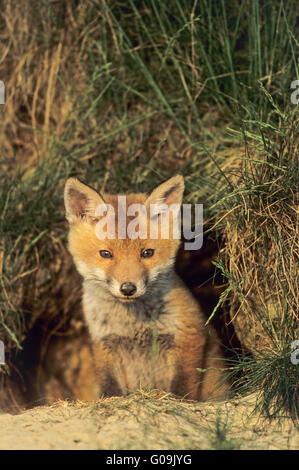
146	421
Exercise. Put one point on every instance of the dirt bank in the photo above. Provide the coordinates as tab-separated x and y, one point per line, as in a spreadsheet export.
146	421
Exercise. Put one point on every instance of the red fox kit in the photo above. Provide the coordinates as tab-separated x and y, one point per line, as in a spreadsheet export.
147	330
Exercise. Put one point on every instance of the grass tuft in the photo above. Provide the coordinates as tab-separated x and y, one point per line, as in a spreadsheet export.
124	94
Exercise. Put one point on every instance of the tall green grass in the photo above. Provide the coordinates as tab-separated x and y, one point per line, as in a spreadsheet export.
124	94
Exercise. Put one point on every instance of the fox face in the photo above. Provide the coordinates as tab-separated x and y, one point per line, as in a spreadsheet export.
123	253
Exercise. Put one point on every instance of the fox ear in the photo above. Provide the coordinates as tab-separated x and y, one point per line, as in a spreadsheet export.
80	201
170	192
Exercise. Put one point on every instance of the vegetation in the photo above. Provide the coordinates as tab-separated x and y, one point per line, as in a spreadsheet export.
124	94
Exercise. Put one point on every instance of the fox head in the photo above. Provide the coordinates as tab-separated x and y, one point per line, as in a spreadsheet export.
122	260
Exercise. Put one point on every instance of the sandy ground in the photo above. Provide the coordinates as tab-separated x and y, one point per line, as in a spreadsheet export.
146	421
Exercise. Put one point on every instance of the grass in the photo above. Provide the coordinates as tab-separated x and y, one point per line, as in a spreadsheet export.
220	435
274	379
145	89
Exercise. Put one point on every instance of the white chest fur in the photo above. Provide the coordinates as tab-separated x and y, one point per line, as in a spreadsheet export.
141	336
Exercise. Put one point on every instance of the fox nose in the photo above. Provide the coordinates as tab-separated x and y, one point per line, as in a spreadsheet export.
128	288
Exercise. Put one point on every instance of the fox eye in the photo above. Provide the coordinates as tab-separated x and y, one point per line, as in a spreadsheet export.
148	253
106	254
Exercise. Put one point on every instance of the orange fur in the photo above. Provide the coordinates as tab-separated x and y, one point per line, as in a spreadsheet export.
155	335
